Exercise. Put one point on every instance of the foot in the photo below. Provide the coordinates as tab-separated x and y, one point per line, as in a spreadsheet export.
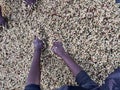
38	44
58	49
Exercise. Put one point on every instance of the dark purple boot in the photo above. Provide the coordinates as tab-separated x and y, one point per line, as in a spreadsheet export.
30	2
2	19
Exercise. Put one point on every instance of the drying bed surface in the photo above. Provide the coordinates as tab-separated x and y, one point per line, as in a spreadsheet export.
89	30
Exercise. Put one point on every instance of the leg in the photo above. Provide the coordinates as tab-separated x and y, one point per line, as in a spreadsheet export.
82	78
59	50
34	73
